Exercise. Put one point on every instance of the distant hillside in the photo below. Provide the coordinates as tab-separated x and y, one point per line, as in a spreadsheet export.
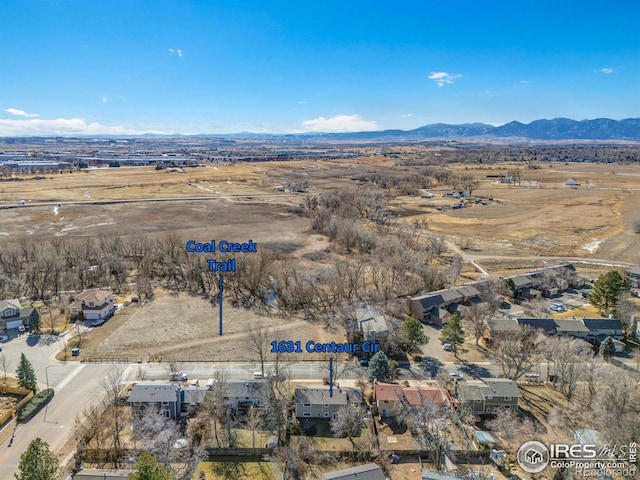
556	129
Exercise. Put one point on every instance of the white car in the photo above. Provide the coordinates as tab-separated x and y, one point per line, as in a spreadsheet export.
456	376
97	323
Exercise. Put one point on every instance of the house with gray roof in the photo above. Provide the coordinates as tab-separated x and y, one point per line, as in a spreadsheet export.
585	328
571	328
13	315
438	306
488	394
547	325
370	471
611	327
239	396
546	281
372	322
634	276
164	396
319	402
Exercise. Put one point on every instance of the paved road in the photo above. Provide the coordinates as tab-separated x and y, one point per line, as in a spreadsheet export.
40	350
55	424
217	196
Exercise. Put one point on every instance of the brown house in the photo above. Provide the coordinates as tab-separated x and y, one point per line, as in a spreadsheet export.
391	398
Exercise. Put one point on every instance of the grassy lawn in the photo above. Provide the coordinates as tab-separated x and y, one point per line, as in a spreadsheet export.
234	471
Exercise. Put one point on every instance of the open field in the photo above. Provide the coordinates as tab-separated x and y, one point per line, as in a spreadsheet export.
185	327
541	216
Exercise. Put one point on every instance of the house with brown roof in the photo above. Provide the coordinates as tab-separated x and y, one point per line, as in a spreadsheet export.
392	399
94	304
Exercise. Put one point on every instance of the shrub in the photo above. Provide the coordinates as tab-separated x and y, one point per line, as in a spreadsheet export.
35	405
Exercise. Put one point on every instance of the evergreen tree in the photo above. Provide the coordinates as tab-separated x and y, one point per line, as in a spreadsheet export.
148	468
509	288
607	289
38	462
453	333
379	368
607	349
26	375
412	333
34	321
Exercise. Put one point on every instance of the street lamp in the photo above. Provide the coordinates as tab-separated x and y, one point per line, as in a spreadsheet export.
46	374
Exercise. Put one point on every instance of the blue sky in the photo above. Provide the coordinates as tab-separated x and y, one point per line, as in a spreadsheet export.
221	66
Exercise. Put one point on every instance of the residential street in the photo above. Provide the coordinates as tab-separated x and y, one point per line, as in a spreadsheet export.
73	394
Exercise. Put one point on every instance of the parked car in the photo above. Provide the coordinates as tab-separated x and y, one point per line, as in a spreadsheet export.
22	328
97	323
394	458
258	375
456	375
447	347
75	352
4	338
175	376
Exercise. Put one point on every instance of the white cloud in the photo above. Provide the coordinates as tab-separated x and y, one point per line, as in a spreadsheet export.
302	102
179	52
339	123
171	51
606	70
21	113
63	126
176	52
524	82
105	99
406	115
444	78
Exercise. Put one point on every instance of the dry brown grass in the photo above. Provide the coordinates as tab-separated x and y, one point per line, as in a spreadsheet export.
545	217
187	327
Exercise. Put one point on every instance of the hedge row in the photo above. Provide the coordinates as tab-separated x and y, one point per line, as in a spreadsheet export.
35	405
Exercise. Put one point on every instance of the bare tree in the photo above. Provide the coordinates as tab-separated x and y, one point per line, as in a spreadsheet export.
517	351
90	427
116	420
259	340
157	434
565	358
5	364
626	309
535	308
456	268
348	423
430	423
476	319
514	428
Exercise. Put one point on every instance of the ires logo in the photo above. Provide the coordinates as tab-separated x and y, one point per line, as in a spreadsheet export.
534	456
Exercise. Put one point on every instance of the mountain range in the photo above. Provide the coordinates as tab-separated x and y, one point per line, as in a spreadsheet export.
555	129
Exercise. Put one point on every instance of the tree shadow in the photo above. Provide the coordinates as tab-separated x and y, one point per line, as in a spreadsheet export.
228	470
475	371
431	366
33	340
